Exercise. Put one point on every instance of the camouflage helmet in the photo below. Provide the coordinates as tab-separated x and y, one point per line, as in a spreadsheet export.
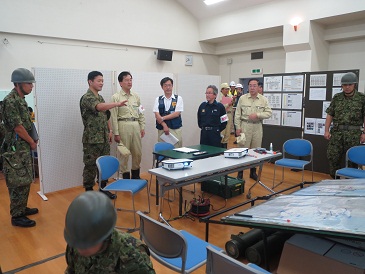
349	78
90	219
22	75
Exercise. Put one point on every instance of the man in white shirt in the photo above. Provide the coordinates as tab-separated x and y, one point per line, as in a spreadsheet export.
167	109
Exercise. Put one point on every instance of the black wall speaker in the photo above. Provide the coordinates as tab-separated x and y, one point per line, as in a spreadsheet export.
257	55
164	55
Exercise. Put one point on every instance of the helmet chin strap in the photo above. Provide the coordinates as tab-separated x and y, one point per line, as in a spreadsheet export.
21	89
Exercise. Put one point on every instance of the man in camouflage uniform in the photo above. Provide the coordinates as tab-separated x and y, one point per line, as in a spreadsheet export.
97	134
16	149
95	246
347	112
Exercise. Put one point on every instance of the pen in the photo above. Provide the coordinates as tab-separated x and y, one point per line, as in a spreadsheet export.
243	215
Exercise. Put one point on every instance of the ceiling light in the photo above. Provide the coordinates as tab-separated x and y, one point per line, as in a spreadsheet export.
211	2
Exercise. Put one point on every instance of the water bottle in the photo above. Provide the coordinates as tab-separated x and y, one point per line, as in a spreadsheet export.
270	146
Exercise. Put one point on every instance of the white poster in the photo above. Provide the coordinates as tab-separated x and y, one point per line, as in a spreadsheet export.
310	126
291	118
293	83
317	94
274	99
326	104
292	100
273	83
275	118
337	79
318	80
320	124
335	91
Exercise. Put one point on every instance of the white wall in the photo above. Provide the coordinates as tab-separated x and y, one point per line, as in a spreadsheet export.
35	51
348	55
273	62
273	14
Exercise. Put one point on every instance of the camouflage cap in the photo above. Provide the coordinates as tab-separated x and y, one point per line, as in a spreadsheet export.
90	219
22	75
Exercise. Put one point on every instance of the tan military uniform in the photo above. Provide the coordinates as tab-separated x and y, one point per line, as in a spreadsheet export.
252	129
127	122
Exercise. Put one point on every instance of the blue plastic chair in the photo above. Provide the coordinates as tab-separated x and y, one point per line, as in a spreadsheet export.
219	262
177	250
160	146
357	156
295	147
107	167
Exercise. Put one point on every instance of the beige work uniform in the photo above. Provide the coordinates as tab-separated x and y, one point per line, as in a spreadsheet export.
227	131
127	122
252	129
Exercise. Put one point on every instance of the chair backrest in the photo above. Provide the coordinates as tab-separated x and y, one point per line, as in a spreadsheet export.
162	146
162	240
356	155
107	166
298	147
218	262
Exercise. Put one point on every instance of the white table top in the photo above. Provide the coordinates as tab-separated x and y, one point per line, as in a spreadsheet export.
211	165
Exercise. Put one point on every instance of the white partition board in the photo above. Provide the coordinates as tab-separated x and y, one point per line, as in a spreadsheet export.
57	95
192	88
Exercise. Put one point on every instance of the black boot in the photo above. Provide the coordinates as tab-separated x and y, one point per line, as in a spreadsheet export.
253	174
224	145
30	211
240	175
126	175
107	193
22	221
135	174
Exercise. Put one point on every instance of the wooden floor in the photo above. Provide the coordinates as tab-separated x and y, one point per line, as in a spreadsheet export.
40	249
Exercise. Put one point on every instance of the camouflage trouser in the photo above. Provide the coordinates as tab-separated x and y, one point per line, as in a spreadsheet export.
339	143
18	200
91	153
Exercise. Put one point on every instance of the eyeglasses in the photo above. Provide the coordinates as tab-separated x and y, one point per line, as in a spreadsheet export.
209	93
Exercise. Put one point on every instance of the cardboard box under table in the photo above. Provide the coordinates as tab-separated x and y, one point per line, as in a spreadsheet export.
217	186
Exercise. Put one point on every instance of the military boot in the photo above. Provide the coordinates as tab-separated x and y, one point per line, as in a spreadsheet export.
224	145
126	175
30	211
253	174
107	193
22	221
240	175
135	174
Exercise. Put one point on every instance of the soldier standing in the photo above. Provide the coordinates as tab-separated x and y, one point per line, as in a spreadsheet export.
16	149
95	246
347	112
97	134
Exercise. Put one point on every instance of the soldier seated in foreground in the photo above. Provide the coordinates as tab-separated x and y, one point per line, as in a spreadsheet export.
94	245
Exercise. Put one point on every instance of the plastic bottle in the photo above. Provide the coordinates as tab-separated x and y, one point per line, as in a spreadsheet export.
271	147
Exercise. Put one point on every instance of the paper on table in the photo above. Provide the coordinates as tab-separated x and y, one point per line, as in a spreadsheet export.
169	138
186	149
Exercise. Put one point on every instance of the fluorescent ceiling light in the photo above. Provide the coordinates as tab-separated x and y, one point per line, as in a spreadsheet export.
211	2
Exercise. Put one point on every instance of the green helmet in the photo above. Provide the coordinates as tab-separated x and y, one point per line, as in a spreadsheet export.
22	75
349	78
90	219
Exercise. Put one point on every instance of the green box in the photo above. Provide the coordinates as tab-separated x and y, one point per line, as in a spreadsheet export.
217	186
